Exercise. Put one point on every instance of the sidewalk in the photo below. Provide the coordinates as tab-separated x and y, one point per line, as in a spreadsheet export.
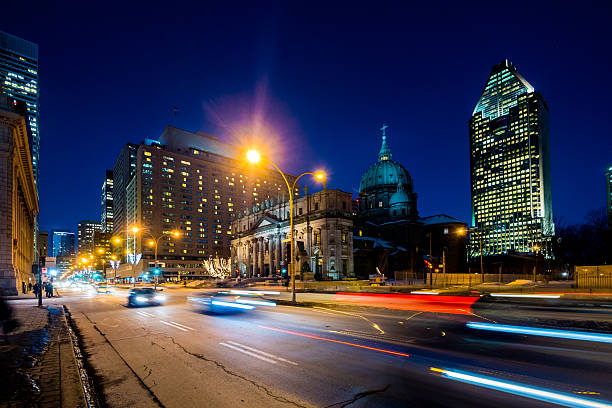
37	360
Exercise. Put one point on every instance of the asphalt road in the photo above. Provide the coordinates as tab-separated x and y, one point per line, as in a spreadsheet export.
354	356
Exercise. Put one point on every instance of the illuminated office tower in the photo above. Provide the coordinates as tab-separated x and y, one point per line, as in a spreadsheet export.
609	195
510	168
106	217
19	80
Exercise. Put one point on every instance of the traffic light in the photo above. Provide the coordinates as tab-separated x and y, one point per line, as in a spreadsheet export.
156	271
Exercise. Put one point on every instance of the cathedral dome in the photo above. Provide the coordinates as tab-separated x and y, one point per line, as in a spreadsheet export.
386	188
385	173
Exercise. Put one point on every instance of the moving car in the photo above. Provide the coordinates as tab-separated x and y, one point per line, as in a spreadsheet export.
103	288
230	301
145	297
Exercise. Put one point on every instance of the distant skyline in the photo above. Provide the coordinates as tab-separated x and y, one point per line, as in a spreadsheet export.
322	81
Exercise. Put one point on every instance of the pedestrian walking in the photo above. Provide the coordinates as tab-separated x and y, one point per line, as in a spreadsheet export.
23	287
29	286
50	289
36	289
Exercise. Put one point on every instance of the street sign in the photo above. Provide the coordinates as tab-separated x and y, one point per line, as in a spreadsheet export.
44	271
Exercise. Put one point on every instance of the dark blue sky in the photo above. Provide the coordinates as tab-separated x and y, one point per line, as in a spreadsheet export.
322	78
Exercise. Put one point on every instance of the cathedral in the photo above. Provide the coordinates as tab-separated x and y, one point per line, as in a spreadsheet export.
390	237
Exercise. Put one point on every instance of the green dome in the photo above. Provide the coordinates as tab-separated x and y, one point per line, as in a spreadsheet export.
385	173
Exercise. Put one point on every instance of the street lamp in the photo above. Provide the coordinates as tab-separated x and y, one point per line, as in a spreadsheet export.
254	157
154	243
535	268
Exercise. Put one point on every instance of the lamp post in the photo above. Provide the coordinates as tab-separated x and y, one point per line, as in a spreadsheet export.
254	157
154	243
535	267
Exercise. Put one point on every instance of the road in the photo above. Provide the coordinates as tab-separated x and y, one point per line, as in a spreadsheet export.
354	356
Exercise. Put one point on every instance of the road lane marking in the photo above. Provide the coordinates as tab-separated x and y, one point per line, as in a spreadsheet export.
520	389
374	325
248	353
262	352
335	341
145	314
536	331
182	325
173	325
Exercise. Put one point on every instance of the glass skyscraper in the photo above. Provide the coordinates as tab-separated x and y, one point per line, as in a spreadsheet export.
19	80
510	168
107	203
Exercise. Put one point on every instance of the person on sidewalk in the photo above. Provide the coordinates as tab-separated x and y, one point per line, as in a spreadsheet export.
7	321
23	287
49	289
29	286
36	289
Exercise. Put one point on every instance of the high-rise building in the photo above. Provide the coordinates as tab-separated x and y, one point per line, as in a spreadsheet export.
86	231
510	168
61	243
43	244
106	218
61	247
19	80
18	198
609	195
123	172
191	183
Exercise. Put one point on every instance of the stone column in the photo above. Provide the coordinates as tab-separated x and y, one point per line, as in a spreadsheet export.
283	252
247	257
254	259
277	254
271	253
324	250
262	254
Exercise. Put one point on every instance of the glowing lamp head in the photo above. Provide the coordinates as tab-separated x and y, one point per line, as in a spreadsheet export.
320	175
100	251
176	234
151	243
116	240
253	156
135	229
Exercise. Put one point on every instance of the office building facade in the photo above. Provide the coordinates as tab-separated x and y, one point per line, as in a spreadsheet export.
194	184
123	172
510	168
85	238
609	196
19	80
18	198
43	244
106	217
62	248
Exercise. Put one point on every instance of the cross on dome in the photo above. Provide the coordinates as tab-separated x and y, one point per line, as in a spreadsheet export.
385	152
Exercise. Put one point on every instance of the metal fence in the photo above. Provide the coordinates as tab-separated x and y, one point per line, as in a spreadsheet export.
470	279
594	277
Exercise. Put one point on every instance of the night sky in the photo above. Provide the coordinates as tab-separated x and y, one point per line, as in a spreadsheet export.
320	80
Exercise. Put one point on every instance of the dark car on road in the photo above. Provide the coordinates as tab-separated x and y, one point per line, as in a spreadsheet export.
145	297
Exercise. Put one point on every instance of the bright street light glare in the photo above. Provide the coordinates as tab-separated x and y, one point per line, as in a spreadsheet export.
135	229
320	175
253	156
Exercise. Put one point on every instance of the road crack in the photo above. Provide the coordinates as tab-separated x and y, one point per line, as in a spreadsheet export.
234	374
357	397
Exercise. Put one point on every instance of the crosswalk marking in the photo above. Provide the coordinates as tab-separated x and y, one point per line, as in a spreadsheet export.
145	314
